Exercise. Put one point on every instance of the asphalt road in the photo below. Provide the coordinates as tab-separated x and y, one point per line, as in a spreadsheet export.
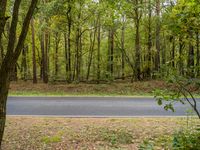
90	107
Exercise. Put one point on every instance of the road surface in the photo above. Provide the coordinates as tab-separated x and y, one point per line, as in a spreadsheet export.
90	107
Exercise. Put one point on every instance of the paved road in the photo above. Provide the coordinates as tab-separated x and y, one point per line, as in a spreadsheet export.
90	107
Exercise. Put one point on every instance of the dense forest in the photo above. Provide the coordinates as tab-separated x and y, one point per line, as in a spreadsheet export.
105	40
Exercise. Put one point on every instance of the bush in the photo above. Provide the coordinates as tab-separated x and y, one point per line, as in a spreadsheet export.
187	140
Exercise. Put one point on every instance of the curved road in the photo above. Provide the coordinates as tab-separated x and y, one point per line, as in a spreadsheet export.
90	107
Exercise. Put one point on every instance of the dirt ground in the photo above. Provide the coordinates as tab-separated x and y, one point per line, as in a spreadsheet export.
29	133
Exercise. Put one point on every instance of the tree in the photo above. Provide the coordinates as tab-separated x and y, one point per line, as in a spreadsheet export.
12	53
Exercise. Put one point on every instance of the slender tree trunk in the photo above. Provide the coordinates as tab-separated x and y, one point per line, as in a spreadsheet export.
43	43
181	65
112	52
173	52
57	41
198	54
90	57
77	56
123	48
191	58
137	43
68	58
149	41
157	59
98	49
33	52
24	63
164	50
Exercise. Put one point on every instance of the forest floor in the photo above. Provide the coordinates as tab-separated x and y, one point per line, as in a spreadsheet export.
29	133
123	88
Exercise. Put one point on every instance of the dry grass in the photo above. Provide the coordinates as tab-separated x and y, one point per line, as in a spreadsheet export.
26	133
116	88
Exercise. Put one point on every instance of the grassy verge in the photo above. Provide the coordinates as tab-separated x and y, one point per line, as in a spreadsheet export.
24	133
136	89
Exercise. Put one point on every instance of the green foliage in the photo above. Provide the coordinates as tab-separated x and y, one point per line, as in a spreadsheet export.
146	145
186	140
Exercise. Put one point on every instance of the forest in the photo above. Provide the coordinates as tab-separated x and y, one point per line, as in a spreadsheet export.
106	40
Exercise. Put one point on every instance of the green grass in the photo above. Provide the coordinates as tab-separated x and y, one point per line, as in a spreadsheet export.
37	93
115	137
53	139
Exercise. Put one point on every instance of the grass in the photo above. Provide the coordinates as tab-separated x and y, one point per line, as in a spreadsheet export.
53	139
22	133
144	88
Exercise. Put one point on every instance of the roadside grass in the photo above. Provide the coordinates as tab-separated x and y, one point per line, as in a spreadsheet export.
53	139
127	89
22	133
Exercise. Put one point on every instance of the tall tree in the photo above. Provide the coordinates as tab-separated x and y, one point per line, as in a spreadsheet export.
12	54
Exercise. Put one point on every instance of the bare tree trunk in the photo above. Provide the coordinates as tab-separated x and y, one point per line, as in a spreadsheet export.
33	52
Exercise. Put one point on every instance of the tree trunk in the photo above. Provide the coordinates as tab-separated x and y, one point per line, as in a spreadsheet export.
24	63
149	41
11	57
4	86
57	41
3	20
181	65
123	48
191	58
98	49
198	55
33	52
68	48
90	57
137	42
173	52
157	59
